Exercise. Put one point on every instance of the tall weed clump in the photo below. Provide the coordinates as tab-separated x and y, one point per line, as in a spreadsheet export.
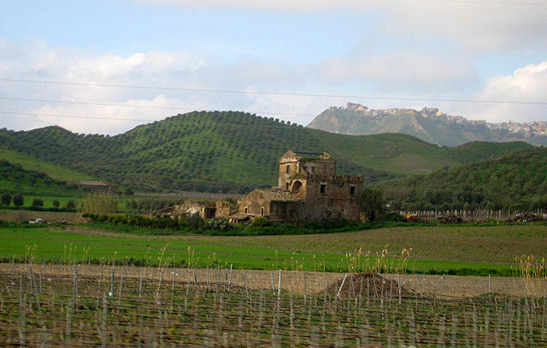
99	203
534	274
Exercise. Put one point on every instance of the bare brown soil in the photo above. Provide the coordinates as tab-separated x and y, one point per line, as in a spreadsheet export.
26	215
367	284
300	282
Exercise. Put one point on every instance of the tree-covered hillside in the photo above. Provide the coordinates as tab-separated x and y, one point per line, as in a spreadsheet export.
225	151
14	179
56	172
515	181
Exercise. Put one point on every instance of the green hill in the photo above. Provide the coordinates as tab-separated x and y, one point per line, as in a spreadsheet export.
15	179
55	172
516	181
228	151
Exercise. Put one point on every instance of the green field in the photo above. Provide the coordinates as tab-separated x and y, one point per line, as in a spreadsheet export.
434	249
48	200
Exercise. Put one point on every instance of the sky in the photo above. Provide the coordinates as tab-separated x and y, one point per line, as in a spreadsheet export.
108	66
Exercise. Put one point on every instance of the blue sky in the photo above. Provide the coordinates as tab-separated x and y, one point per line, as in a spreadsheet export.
126	27
447	49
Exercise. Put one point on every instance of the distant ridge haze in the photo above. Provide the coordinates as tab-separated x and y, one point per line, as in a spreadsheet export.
428	124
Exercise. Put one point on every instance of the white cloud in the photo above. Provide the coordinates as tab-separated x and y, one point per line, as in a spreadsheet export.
402	67
150	69
365	71
475	24
113	119
526	84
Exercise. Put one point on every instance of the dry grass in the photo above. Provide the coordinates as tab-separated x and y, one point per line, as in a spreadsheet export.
455	243
105	305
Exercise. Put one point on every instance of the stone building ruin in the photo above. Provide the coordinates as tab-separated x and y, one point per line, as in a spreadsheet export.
308	189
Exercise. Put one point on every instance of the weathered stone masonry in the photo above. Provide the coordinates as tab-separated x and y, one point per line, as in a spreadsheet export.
308	189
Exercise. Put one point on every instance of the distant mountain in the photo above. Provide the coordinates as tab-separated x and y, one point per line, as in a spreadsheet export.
427	124
515	181
231	152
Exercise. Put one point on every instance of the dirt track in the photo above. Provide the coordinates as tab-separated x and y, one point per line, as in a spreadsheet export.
27	215
297	281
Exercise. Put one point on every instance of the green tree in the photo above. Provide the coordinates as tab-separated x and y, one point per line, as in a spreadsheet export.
5	198
18	200
56	204
372	203
37	203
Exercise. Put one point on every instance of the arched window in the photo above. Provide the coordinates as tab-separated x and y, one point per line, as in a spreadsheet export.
296	187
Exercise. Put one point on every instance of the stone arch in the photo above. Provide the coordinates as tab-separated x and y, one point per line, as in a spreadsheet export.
296	187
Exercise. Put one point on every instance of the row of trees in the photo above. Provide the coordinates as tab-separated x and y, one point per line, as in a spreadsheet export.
18	200
6	199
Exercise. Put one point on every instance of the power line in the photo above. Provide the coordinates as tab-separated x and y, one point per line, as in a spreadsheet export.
100	117
203	90
75	116
139	106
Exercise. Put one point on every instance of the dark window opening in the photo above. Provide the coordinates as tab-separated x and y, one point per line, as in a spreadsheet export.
296	187
288	169
287	186
323	188
246	210
262	211
210	213
352	190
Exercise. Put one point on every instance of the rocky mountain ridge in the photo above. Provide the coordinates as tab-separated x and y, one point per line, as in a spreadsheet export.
428	124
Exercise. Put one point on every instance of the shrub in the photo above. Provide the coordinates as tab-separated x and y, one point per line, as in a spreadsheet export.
118	219
260	221
219	224
56	204
37	203
71	205
194	222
